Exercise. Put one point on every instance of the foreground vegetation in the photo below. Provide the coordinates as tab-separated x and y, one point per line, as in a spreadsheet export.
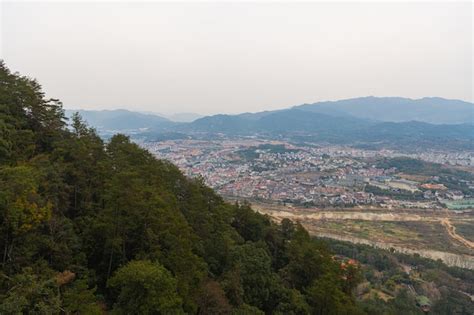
88	227
393	282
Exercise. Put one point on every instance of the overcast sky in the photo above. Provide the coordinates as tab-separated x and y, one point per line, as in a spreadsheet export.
229	58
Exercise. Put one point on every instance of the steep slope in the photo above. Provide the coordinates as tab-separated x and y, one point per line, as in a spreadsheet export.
88	227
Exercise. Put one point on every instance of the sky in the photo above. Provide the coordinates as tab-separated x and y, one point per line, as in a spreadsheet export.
212	58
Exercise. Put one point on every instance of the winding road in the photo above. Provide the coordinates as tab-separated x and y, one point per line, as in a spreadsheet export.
451	229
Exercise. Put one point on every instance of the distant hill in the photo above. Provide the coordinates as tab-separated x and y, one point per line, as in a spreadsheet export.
289	120
301	125
386	121
295	120
433	110
230	124
122	119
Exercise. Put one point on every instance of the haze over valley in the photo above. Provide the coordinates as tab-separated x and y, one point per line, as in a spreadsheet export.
236	158
371	121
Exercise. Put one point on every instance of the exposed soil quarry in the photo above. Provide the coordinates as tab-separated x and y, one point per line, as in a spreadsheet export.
430	234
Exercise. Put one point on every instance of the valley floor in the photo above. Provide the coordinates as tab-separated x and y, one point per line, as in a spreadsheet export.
431	234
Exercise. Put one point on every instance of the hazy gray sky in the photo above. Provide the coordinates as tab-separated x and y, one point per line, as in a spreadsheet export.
211	57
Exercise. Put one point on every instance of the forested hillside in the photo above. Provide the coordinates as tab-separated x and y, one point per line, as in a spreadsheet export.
89	227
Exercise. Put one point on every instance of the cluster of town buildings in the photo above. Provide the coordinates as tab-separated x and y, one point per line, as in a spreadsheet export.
321	176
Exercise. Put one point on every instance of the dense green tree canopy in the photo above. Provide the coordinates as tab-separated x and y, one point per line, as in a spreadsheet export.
88	226
145	287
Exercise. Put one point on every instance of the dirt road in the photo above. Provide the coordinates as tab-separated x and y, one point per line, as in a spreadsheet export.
279	213
451	229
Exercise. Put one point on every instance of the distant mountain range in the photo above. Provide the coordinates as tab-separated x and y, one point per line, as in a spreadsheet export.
433	110
122	120
387	121
306	126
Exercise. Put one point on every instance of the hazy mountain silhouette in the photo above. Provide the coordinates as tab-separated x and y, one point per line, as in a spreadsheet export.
431	122
434	110
121	119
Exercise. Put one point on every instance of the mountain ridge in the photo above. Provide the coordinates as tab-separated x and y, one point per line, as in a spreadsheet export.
435	110
121	119
339	122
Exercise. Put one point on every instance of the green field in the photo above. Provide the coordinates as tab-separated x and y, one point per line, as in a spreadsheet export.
460	204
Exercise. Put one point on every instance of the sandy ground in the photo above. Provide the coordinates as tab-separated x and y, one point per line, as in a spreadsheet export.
306	216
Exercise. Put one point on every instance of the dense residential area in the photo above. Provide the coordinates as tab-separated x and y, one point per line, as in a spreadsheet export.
324	176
